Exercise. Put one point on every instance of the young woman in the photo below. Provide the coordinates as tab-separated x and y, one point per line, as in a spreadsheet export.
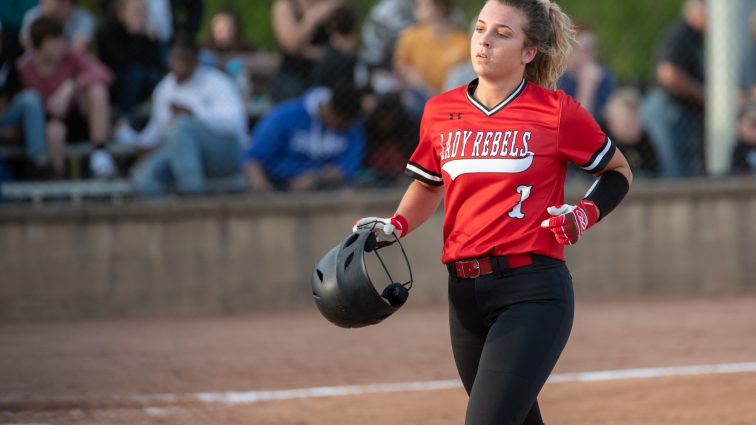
498	149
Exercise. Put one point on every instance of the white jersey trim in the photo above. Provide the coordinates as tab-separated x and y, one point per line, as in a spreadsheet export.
422	173
600	157
498	107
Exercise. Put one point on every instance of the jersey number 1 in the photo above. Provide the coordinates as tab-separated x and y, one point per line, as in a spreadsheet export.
516	212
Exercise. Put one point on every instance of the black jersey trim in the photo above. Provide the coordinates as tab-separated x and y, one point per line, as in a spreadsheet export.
601	157
419	173
474	84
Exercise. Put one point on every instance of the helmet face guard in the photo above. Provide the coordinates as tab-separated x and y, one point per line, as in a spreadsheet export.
343	290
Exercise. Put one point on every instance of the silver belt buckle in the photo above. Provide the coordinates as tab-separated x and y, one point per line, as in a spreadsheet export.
476	266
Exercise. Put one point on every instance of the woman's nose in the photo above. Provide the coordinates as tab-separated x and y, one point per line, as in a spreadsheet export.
485	41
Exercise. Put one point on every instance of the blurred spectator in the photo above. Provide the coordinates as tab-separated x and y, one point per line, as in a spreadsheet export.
748	77
391	136
622	120
127	47
186	17
340	58
462	74
227	49
381	29
380	32
12	15
423	70
168	17
673	111
315	141
585	79
300	29
197	127
74	89
22	114
78	23
744	153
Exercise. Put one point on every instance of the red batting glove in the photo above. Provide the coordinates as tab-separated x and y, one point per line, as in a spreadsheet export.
571	221
384	228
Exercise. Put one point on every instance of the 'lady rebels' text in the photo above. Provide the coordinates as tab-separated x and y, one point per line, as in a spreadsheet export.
508	144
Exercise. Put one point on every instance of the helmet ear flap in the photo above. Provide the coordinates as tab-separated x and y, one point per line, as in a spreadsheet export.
396	294
371	243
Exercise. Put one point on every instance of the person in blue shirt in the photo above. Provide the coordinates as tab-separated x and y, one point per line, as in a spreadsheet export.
312	142
585	79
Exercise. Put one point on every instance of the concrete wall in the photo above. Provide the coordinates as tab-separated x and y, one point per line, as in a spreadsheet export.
257	252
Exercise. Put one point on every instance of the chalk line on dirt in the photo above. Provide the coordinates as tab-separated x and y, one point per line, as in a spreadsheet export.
166	404
248	397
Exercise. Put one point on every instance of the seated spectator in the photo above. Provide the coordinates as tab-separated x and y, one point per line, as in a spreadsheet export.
312	142
421	69
168	17
624	126
196	130
673	110
381	29
22	116
300	30
585	79
744	152
74	89
340	59
391	136
226	48
127	47
78	23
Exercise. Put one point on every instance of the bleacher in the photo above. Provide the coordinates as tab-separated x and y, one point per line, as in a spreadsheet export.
77	189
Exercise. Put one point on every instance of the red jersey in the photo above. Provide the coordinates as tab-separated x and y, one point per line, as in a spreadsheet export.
502	167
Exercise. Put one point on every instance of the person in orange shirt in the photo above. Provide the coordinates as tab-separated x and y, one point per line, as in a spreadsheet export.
426	51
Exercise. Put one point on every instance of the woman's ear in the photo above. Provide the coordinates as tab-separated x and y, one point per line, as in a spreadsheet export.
528	54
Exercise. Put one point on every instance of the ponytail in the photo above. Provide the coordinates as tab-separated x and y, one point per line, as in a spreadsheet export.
547	67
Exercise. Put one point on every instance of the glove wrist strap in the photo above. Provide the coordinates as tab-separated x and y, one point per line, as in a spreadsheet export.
401	224
591	212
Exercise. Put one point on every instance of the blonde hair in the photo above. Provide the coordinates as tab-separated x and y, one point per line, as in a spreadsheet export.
552	33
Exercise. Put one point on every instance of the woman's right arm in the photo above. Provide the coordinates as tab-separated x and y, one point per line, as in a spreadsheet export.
419	202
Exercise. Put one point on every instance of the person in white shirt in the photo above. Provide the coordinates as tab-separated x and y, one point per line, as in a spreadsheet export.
197	128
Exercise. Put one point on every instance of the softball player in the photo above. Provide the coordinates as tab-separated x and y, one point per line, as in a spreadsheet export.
498	149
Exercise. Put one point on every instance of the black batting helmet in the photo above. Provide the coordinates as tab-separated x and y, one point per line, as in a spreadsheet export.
342	288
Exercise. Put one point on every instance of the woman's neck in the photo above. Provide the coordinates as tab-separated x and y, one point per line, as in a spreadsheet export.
491	93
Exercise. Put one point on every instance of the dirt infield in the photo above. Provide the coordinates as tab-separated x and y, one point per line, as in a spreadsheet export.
178	370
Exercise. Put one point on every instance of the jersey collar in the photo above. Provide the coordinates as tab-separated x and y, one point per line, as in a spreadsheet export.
474	84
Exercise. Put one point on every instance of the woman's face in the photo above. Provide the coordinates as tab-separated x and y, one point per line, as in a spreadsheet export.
223	29
497	46
134	14
426	11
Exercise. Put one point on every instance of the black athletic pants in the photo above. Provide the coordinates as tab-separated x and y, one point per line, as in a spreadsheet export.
507	332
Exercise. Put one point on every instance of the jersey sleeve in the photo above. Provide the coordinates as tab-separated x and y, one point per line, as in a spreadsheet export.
424	164
581	140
